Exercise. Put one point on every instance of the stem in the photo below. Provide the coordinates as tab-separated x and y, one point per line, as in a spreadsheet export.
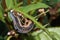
41	14
9	37
19	4
46	24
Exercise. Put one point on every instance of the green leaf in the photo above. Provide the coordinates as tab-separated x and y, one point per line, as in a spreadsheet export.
37	37
1	14
1	38
9	16
15	2
35	1
9	3
57	37
44	36
58	10
31	7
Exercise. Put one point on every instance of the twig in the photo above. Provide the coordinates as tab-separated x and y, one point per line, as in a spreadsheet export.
41	14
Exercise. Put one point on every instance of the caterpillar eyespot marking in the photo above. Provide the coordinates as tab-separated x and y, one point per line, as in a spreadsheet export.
21	24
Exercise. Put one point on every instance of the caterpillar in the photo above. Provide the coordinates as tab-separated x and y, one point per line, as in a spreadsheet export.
21	24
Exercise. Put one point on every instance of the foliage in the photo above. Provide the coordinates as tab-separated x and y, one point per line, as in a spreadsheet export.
43	33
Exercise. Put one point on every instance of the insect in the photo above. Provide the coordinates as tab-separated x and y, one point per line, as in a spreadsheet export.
21	24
